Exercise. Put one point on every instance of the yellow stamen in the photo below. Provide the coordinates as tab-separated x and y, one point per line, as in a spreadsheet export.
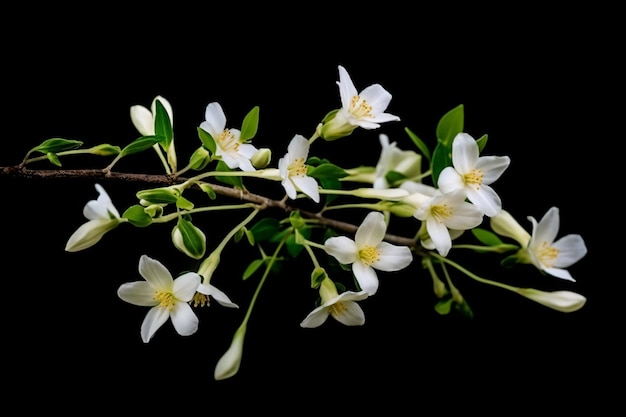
200	299
360	108
166	299
547	254
474	178
337	309
227	141
441	212
297	168
369	255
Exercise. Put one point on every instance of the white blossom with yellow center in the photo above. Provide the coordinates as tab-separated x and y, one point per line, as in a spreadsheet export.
365	109
293	170
444	213
229	148
342	307
368	252
473	174
553	256
168	297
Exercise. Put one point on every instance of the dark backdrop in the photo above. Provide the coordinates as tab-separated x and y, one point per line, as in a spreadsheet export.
530	94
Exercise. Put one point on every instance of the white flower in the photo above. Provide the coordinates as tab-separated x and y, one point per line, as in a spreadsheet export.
293	171
102	216
168	297
473	174
553	256
368	252
342	307
143	120
365	109
444	213
229	148
407	163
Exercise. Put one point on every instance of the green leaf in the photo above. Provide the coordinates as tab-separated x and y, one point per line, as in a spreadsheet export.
250	125
235	181
296	220
442	157
163	124
137	216
252	268
140	144
443	307
183	203
159	195
419	143
326	171
393	176
486	237
52	157
57	145
265	229
449	125
207	140
481	141
208	190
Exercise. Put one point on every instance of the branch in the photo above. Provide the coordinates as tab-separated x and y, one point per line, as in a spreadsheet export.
164	180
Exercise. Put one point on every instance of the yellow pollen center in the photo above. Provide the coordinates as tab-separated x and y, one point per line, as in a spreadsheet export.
337	309
369	255
200	299
441	212
474	178
166	299
547	254
297	168
227	141
360	108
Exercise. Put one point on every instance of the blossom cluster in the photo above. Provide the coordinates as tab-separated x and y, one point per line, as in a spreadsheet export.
449	192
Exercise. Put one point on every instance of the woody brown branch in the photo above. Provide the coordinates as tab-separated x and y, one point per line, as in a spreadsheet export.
165	180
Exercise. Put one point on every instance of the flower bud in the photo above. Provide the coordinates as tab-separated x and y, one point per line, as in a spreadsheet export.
384	194
188	239
90	233
504	224
261	158
335	126
565	301
228	364
105	150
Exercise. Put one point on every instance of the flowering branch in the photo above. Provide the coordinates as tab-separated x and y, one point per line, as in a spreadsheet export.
446	195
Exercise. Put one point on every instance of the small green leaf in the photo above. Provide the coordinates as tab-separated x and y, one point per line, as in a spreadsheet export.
208	190
326	171
443	307
163	124
449	125
234	181
137	216
140	144
250	125
481	141
252	268
57	145
487	237
207	140
419	143
441	158
183	203
52	157
265	229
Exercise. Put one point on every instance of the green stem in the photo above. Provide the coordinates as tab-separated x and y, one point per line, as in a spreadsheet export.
172	216
472	275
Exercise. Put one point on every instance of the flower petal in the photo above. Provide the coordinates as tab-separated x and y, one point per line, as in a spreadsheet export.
215	119
219	296
185	286
351	315
342	248
571	250
156	317
308	185
366	276
142	120
464	153
315	318
392	257
184	319
156	274
486	199
139	293
372	231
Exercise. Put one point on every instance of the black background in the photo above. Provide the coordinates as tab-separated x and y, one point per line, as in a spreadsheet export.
534	87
